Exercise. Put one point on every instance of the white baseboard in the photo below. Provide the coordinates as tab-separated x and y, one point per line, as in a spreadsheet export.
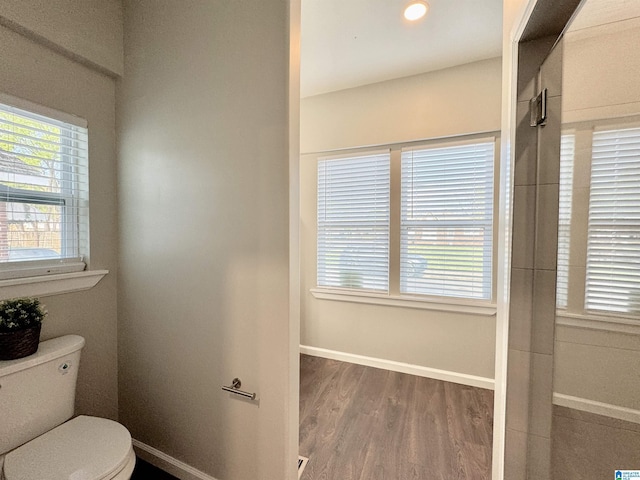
599	408
420	371
167	463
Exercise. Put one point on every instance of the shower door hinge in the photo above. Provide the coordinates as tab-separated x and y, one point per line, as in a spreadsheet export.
538	109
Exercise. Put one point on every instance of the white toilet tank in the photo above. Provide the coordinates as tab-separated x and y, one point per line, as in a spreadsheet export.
37	393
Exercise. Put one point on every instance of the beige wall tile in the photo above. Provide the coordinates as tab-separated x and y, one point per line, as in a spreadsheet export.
524	204
600	373
546	244
518	390
526	158
541	395
544	311
530	56
551	71
539	458
520	309
515	456
549	144
600	338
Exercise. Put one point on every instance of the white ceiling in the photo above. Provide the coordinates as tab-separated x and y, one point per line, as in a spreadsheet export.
348	43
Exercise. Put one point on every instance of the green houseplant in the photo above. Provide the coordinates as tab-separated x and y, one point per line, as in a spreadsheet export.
20	323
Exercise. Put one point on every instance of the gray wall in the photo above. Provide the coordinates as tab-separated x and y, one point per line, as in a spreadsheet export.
204	275
33	71
88	30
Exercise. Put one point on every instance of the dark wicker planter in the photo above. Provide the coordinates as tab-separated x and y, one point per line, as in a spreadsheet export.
20	343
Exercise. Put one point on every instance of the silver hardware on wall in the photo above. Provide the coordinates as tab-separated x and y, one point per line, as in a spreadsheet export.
538	109
235	389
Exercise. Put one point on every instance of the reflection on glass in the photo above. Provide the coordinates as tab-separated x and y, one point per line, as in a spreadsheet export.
596	421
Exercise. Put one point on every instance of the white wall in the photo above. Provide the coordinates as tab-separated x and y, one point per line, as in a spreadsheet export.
463	99
455	101
602	72
36	73
595	360
204	202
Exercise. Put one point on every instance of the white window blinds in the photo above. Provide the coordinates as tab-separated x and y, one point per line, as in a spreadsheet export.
43	187
353	221
567	154
613	245
446	240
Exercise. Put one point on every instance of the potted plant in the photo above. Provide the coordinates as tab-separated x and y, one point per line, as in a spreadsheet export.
20	322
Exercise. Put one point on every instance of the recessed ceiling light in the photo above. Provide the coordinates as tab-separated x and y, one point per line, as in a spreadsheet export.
416	10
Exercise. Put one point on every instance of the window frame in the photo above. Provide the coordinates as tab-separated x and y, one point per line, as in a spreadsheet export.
334	208
596	228
483	307
576	307
566	189
487	225
70	266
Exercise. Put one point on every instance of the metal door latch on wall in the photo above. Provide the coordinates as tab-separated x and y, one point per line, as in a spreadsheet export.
538	109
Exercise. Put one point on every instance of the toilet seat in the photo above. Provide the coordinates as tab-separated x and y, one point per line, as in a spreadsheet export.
84	448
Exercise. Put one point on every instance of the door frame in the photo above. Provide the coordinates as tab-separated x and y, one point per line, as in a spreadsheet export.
523	20
293	387
520	18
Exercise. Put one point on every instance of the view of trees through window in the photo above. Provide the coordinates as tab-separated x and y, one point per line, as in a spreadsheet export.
38	187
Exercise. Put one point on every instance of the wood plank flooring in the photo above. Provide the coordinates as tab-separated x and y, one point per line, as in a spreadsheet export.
363	423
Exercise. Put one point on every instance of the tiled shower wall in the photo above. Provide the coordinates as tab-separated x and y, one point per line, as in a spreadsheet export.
533	267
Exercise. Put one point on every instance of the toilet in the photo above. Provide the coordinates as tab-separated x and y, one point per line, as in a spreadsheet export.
39	439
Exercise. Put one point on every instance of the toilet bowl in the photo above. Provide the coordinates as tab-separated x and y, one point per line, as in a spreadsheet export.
84	448
38	438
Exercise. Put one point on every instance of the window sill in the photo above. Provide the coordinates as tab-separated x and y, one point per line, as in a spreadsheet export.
44	285
591	321
458	306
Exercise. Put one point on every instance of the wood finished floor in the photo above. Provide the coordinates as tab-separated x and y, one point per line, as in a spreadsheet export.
363	423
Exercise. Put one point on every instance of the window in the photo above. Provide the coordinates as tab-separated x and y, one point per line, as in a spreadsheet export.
43	189
446	240
414	221
353	221
599	247
613	245
567	149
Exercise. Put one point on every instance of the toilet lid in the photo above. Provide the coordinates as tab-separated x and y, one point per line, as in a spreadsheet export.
85	448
